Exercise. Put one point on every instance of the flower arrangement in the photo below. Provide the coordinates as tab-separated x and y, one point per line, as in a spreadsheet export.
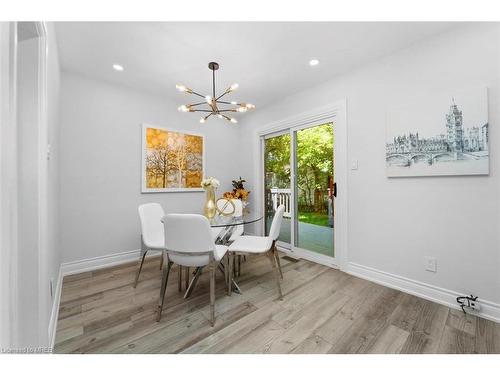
210	182
239	191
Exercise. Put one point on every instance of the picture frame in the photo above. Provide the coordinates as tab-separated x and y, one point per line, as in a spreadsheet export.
440	134
171	160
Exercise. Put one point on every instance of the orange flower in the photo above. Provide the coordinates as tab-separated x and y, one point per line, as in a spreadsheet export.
228	195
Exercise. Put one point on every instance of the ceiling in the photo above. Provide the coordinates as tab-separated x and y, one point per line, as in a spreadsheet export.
268	60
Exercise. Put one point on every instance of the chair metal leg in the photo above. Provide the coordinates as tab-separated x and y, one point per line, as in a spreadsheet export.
186	275
276	255
164	281
180	278
272	258
141	262
239	265
212	292
222	269
230	257
193	282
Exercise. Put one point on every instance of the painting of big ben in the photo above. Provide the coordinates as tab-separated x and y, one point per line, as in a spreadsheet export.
439	135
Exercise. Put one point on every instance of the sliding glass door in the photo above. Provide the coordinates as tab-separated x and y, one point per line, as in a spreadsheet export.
314	189
299	173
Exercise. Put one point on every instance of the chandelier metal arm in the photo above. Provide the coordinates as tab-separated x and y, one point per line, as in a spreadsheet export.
195	93
221	95
222	102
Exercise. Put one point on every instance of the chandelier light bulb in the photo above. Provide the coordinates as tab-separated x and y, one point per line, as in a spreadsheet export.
250	106
233	87
202	120
184	108
208	99
233	120
242	109
234	103
181	87
219	115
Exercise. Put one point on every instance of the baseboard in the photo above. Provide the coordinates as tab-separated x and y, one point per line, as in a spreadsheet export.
85	265
91	264
489	310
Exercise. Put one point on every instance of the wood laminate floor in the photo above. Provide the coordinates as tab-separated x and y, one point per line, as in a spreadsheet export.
323	311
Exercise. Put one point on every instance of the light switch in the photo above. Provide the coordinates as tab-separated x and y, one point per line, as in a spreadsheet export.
354	164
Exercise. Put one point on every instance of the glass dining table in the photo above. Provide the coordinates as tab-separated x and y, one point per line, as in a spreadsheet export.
227	225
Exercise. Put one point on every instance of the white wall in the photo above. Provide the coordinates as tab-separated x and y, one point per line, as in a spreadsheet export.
394	223
100	168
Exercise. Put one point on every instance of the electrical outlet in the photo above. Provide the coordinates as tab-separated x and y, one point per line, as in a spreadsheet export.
430	264
474	305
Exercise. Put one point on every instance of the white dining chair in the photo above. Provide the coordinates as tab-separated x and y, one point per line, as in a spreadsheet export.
244	245
190	244
152	234
224	207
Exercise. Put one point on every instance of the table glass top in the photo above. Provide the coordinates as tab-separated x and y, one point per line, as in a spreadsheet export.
248	217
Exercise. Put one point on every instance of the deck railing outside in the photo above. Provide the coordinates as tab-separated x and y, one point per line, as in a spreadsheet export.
282	197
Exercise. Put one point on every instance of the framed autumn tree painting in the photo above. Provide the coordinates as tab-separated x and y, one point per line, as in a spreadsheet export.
172	161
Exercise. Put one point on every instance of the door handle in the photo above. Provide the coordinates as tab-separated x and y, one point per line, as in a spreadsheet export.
335	189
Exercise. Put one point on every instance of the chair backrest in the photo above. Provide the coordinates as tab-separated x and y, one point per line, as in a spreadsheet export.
151	225
188	233
274	232
225	207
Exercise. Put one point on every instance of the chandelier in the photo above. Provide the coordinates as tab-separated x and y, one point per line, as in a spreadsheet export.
216	107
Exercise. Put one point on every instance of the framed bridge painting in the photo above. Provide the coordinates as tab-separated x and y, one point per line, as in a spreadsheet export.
172	161
439	135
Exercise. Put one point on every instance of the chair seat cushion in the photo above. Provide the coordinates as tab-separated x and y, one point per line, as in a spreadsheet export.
155	245
198	260
251	244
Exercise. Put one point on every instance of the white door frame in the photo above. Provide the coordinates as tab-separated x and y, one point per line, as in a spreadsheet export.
336	113
9	198
43	154
8	185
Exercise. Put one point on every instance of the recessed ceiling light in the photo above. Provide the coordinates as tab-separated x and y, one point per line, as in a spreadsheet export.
118	67
314	62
